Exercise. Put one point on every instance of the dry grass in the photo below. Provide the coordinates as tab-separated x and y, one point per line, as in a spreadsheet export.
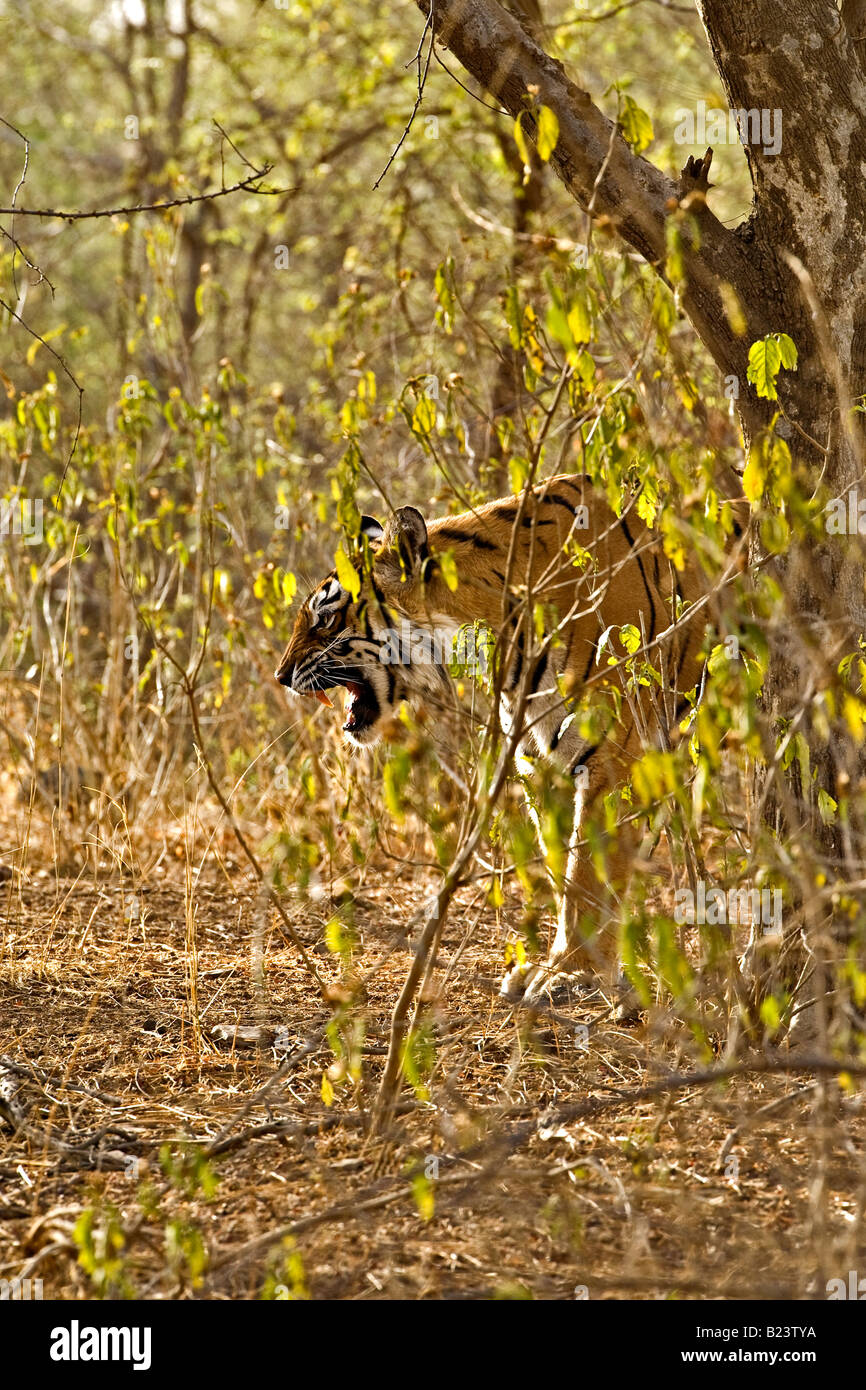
634	1197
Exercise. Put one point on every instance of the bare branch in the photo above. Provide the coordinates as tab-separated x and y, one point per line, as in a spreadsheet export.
422	80
10	237
67	370
247	185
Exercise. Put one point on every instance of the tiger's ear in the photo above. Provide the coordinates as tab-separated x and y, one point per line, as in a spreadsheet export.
372	529
401	558
406	533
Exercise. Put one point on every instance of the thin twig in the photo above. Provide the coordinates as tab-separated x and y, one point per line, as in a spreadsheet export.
247	185
67	372
422	79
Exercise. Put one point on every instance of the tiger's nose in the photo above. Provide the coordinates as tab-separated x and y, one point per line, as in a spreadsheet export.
284	674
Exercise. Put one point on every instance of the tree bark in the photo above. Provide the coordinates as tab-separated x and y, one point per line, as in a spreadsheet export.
810	201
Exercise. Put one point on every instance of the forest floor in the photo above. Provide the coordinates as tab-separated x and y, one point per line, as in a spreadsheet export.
534	1169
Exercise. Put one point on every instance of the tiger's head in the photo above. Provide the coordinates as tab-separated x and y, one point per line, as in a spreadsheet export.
343	641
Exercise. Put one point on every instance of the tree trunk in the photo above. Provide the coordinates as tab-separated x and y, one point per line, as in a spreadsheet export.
808	223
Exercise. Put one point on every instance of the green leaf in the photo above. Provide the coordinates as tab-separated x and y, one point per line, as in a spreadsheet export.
766	357
346	573
520	139
448	569
393	784
557	326
518	472
424	417
788	352
754	476
338	938
827	807
522	147
548	133
648	504
586	368
580	316
770	1015
422	1191
635	124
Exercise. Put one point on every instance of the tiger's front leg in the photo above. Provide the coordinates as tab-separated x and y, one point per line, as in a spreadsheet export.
583	951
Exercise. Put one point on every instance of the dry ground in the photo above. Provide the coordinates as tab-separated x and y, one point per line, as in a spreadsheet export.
627	1198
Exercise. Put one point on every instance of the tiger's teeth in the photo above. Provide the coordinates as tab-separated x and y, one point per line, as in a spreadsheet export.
323	699
349	708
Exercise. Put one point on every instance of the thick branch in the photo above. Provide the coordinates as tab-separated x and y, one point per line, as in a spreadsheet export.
591	157
603	175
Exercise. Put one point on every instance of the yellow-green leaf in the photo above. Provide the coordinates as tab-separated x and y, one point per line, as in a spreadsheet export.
787	351
754	476
635	124
580	316
424	416
522	147
548	133
422	1191
346	573
448	569
827	807
765	359
770	1015
392	786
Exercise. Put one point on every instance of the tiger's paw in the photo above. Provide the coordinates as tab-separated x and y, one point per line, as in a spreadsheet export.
545	985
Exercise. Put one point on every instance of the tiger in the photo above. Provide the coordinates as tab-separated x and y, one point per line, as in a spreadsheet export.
557	549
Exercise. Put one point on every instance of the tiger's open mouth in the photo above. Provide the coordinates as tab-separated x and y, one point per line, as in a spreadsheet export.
361	708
